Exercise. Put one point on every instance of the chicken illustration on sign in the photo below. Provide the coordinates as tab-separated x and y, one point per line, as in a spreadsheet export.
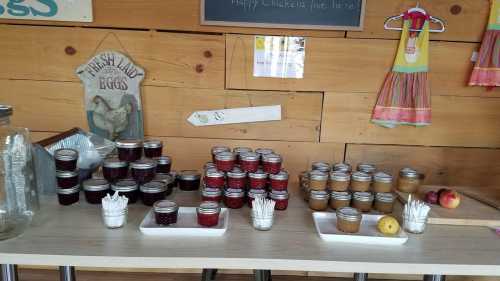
112	95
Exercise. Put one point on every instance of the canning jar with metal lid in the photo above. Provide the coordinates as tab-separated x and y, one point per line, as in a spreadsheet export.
366	168
279	181
153	191
168	179
263	151
281	199
225	161
166	212
234	198
95	190
68	196
236	178
384	202
340	199
208	213
342	167
257	179
66	159
143	170
211	194
209	165
114	169
238	151
349	220
360	182
249	161
318	200
152	148
127	188
321	166
271	163
362	201
218	149
163	164
67	179
189	180
382	182
214	178
339	181
318	180
129	150
254	194
409	180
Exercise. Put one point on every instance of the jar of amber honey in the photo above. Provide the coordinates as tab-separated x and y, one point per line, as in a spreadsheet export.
409	180
340	199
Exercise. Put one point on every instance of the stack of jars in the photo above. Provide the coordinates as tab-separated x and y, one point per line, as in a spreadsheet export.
68	188
242	175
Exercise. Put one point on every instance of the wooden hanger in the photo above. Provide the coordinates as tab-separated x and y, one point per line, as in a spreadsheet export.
413	10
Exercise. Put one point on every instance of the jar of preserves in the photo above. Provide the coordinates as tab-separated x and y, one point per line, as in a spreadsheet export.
366	168
281	199
236	178
211	194
209	165
168	180
214	178
114	169
95	190
240	150
339	181
360	182
68	196
279	181
153	148
384	202
218	149
271	163
152	192
257	180
321	166
409	180
163	164
362	201
342	167
127	188
348	220
66	159
318	200
225	161
234	198
318	180
254	194
340	200
129	150
382	182
67	179
189	180
208	214
143	170
166	212
263	151
249	162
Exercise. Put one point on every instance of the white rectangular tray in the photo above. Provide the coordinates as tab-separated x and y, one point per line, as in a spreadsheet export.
187	224
326	226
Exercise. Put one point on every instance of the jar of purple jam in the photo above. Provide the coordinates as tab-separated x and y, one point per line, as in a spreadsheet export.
189	180
168	180
66	159
254	194
217	149
127	188
152	148
234	198
208	214
114	169
129	150
67	179
271	163
95	190
279	181
281	199
163	164
211	194
214	178
240	150
68	196
166	212
225	161
236	178
143	170
152	192
249	162
257	180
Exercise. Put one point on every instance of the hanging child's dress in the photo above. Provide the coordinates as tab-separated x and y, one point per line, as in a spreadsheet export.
487	69
405	96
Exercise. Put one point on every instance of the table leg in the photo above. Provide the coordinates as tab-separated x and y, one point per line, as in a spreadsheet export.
208	274
262	275
361	277
67	273
9	272
429	277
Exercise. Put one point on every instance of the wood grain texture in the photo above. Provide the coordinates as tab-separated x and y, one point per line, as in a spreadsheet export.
441	165
466	26
456	121
170	59
59	106
352	65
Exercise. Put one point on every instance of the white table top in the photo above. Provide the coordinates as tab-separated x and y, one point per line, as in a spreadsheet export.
75	235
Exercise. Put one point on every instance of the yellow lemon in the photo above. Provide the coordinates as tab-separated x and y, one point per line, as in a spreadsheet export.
388	225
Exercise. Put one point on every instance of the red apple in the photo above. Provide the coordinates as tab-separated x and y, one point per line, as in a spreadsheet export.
431	197
449	199
441	190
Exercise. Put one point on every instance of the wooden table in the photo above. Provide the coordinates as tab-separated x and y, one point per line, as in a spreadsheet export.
76	236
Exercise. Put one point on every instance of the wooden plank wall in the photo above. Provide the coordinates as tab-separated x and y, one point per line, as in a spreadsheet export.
191	67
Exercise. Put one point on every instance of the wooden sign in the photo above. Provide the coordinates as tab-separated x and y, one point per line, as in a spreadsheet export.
296	14
53	10
236	115
112	96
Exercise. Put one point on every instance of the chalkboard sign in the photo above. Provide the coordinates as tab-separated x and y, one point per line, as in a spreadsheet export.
296	14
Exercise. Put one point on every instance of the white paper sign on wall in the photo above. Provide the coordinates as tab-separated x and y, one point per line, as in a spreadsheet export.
50	10
236	115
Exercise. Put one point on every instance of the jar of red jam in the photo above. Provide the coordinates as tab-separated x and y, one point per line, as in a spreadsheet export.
127	188
211	194
67	179
168	180
279	181
236	178
153	148
257	180
208	214
249	162
166	212
240	150
209	165
95	190
153	191
163	164
114	169
189	180
321	166
214	178
263	151
225	161
254	194
342	167
143	170
271	163
281	199
234	198
68	196
218	149
129	150
66	159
